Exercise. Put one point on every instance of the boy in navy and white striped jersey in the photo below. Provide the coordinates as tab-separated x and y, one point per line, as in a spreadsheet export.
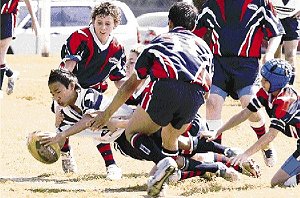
76	104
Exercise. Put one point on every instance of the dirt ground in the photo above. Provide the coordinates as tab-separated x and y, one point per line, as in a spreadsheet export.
28	109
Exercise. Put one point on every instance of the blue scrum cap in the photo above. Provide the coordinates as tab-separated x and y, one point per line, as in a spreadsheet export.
278	73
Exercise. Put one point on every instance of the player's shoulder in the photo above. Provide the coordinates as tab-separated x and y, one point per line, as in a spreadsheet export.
81	34
288	94
116	44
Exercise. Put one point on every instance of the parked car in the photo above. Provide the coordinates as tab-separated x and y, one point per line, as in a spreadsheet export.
67	17
151	25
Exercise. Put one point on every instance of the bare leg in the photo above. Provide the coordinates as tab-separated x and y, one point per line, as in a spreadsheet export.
279	178
140	122
214	106
290	51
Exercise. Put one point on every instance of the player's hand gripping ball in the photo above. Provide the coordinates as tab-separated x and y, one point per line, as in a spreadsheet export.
44	154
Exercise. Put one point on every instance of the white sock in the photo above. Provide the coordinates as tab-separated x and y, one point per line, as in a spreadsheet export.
291	182
214	125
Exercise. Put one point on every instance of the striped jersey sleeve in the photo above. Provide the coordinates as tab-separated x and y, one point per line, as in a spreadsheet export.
88	101
283	110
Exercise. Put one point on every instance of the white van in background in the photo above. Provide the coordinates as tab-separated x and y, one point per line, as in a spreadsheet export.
67	17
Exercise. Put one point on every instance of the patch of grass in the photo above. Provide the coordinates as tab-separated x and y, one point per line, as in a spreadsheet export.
29	98
216	187
127	189
54	190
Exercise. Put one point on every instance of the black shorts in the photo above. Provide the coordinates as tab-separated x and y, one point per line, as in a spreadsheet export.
291	27
172	101
8	23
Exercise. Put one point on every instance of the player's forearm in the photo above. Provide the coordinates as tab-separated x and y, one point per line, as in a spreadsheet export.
29	7
235	120
119	83
122	95
70	65
77	127
262	142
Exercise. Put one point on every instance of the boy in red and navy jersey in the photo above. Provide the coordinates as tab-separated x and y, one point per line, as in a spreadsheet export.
9	10
94	55
282	104
237	29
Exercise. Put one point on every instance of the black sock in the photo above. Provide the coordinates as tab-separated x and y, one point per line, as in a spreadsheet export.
193	165
2	67
147	147
203	146
9	72
106	153
189	174
170	153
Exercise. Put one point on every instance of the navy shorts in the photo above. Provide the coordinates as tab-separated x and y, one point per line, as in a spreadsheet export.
8	22
172	101
292	28
232	74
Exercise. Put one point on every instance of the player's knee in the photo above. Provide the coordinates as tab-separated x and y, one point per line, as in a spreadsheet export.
275	181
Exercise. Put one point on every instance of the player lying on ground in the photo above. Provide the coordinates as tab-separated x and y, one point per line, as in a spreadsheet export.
282	104
79	103
194	149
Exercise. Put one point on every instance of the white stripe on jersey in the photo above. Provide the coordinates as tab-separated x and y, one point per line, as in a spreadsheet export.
160	56
216	42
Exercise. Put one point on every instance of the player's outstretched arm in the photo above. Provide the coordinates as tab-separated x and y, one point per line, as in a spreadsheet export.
125	91
258	145
232	122
59	137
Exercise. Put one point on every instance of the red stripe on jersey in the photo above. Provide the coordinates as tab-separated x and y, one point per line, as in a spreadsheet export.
262	94
200	32
256	43
245	46
170	69
221	4
76	39
9	8
13	6
158	70
283	103
269	33
244	8
215	46
147	95
142	71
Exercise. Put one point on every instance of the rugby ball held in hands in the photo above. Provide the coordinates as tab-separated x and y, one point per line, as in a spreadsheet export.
45	154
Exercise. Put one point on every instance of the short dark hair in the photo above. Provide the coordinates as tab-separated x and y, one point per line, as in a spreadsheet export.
183	14
63	76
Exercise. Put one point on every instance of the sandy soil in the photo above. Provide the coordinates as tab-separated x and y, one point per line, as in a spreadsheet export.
28	109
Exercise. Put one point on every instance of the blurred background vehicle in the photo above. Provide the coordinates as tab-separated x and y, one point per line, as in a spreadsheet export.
67	17
151	25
